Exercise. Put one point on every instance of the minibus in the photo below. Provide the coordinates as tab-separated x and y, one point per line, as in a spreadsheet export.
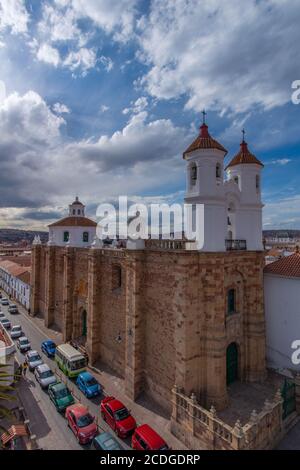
69	360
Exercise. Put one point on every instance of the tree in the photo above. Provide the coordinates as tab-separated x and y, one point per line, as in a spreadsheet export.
5	395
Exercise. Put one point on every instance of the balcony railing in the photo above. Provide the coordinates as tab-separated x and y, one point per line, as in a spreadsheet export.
234	245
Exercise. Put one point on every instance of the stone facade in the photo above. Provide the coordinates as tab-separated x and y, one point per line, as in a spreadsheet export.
157	317
200	428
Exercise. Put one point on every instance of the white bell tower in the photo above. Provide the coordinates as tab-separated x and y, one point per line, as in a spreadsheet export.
245	171
77	209
205	185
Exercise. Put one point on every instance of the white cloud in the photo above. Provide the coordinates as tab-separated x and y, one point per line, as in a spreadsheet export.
40	170
281	161
114	17
60	24
139	143
60	108
83	60
13	15
48	54
104	108
28	119
221	55
2	91
107	63
137	107
283	213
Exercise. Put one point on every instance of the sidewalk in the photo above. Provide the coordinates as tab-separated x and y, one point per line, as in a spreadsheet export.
144	410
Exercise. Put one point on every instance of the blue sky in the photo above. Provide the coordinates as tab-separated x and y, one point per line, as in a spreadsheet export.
101	97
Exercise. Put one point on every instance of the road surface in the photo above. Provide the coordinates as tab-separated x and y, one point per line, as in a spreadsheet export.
46	423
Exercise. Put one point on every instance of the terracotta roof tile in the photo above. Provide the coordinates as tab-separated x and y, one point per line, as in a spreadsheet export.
204	141
288	266
14	269
244	156
74	222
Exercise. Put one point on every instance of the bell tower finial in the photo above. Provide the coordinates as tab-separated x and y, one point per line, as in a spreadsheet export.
243	132
204	114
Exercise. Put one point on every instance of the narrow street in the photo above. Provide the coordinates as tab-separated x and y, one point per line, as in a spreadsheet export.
47	424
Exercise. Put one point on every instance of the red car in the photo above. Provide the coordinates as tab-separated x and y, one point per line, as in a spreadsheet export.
117	416
81	422
145	438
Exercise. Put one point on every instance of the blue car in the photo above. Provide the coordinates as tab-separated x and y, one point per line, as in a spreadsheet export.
48	348
88	385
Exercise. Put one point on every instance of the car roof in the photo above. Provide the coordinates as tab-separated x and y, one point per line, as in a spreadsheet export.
71	353
115	404
150	436
58	386
5	319
78	409
33	352
48	341
17	327
104	437
86	375
43	367
23	337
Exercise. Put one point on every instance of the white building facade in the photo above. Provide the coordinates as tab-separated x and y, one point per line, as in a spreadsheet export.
282	311
75	230
231	197
15	281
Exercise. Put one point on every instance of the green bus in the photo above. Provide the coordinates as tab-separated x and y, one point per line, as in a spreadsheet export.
69	360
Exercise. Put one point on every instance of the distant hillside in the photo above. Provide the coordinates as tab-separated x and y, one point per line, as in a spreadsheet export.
11	235
282	233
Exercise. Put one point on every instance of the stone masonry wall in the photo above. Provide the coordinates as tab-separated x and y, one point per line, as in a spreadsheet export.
166	323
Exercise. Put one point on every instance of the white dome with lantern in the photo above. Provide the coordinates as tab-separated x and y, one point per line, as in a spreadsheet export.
73	230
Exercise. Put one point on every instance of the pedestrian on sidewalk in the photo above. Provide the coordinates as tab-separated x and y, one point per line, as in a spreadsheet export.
25	367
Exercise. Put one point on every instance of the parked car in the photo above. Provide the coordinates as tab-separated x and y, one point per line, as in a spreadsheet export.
60	395
23	344
117	416
106	441
33	359
4	301
16	332
48	347
81	422
145	438
13	309
5	323
44	376
2	315
88	385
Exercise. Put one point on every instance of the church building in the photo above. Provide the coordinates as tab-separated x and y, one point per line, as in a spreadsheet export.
162	314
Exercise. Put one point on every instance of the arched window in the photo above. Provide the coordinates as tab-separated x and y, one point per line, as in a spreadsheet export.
231	301
218	170
85	237
257	182
78	211
66	237
193	173
116	277
232	363
74	211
